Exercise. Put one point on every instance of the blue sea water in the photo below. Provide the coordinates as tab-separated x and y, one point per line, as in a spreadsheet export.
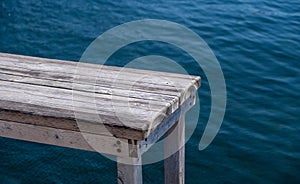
257	44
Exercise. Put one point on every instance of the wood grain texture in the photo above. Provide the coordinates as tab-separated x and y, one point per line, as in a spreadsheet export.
164	127
64	138
54	93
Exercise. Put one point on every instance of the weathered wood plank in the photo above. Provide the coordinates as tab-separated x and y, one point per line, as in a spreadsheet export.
64	138
57	63
136	102
175	164
138	115
102	81
167	123
60	97
63	98
48	118
80	71
89	88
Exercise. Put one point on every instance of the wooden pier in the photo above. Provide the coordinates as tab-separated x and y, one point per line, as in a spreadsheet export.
111	110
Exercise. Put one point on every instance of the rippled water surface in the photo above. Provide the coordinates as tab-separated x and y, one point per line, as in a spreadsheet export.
257	44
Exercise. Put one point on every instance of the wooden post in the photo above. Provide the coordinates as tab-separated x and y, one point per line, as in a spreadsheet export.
130	173
175	164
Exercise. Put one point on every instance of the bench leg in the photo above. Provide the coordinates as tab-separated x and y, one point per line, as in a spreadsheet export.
129	173
175	164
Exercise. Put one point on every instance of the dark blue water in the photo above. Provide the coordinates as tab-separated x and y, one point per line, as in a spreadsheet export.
257	44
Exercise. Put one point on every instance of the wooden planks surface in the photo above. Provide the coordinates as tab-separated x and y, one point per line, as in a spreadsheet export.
54	93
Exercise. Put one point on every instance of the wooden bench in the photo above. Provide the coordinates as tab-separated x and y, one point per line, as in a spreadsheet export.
112	110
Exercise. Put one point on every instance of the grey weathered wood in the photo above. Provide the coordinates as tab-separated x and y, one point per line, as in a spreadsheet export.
130	173
20	60
166	124
175	164
64	138
38	88
112	110
52	69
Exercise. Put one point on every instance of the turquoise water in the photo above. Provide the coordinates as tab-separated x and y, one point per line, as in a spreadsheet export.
257	44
